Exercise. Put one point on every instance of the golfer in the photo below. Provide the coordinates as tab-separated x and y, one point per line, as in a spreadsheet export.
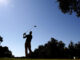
28	43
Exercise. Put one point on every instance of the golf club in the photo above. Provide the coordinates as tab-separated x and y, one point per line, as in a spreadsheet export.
30	29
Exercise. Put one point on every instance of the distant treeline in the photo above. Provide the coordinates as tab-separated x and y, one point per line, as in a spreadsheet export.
52	49
5	52
57	49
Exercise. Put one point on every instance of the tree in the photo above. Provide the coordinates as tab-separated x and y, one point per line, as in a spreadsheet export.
1	39
71	49
52	49
77	47
70	6
5	52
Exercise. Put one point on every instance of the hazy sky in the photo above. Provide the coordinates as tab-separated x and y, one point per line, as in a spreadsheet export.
18	16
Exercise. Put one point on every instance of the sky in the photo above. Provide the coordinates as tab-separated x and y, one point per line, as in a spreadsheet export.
19	16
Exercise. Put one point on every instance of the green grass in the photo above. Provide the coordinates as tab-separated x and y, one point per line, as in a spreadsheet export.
33	59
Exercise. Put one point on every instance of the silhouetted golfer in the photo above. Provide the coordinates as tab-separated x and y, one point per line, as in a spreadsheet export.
28	42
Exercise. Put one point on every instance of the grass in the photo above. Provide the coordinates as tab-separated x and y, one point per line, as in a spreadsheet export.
33	59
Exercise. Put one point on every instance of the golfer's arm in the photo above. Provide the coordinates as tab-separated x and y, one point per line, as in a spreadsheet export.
24	36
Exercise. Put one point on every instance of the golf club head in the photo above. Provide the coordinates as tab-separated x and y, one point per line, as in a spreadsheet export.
35	26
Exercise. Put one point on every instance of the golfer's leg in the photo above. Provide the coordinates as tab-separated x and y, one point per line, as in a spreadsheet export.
26	50
30	51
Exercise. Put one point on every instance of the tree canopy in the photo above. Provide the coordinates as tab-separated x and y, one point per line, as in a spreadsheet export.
1	39
4	51
57	49
70	6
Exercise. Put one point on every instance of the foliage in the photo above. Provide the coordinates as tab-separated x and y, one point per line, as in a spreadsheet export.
57	49
70	6
4	51
52	49
32	59
1	39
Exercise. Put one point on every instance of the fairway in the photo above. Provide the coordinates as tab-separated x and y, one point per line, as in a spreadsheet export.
33	59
